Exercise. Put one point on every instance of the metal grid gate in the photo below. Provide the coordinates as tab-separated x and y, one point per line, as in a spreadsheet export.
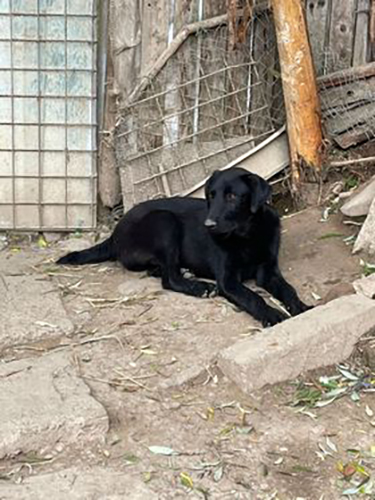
47	114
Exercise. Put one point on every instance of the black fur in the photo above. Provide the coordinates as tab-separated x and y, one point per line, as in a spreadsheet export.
232	237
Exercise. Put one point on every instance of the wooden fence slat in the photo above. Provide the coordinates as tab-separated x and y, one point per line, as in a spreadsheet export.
341	36
317	16
361	39
264	57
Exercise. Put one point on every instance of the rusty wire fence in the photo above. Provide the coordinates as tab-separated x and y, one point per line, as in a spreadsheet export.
208	105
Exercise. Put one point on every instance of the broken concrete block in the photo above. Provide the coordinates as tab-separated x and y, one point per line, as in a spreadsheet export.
43	402
360	203
366	238
366	286
320	337
76	484
339	290
30	309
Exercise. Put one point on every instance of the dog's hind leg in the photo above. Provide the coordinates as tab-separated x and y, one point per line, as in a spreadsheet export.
165	242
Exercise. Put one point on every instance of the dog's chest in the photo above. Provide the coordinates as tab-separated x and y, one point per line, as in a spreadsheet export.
249	254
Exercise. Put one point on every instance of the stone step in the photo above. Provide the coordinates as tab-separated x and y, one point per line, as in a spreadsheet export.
323	336
76	484
44	404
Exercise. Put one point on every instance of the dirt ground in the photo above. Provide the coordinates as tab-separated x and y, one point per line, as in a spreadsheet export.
148	356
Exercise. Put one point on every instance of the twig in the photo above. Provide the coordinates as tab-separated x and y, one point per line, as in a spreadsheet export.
102	380
294	214
4	282
114	382
353	161
145	310
98	339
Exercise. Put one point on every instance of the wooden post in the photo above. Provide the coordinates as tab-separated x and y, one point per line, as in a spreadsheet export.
300	90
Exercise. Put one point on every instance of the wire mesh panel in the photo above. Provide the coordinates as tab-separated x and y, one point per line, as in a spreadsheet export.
207	106
47	114
348	105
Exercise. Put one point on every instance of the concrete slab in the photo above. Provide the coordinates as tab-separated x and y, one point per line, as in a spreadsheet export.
44	403
320	337
366	286
366	237
75	484
30	309
359	204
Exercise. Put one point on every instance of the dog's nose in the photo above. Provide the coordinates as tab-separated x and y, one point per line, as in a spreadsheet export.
210	223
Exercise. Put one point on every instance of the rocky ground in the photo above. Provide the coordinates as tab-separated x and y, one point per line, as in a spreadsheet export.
110	388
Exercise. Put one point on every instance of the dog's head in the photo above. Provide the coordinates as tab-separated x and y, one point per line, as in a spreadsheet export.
234	196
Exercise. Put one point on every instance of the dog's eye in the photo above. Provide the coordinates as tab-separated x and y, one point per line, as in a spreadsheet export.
231	197
211	195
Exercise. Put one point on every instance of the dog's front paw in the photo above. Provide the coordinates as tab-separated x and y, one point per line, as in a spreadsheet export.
273	317
299	308
210	291
203	289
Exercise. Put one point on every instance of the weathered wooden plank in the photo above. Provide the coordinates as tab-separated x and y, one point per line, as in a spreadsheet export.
155	24
264	55
125	36
348	94
361	39
214	7
347	119
341	37
372	31
108	178
353	137
347	76
318	16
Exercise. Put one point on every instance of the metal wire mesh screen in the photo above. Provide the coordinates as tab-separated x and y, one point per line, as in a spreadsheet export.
207	106
47	114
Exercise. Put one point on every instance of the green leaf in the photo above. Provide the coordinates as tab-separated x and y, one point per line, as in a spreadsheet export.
218	474
307	396
347	374
131	459
244	430
331	235
147	476
329	382
351	491
321	404
355	396
186	480
42	242
350	183
367	268
162	450
302	468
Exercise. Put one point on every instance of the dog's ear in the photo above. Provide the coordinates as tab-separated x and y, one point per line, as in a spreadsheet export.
260	191
209	182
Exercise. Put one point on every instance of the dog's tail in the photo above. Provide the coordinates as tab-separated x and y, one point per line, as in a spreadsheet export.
99	253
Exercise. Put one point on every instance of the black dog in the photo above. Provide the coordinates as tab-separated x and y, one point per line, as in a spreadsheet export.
232	237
